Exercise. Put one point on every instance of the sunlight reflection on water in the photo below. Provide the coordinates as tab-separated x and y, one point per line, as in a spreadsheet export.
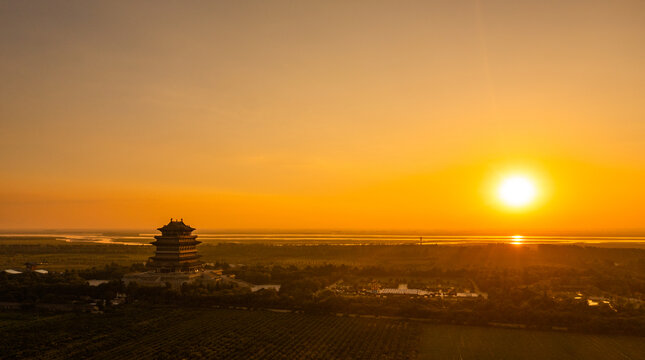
517	239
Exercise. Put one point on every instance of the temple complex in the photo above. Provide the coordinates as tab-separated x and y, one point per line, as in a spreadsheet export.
176	261
176	249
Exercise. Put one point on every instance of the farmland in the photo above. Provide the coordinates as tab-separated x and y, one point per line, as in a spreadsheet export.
178	333
472	342
206	333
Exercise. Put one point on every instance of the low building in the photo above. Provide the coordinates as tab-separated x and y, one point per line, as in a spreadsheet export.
255	288
95	282
467	295
241	283
402	290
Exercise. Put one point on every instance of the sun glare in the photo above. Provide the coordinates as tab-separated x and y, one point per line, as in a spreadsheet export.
517	191
517	239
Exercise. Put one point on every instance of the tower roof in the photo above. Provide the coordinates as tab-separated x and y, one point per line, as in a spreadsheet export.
176	226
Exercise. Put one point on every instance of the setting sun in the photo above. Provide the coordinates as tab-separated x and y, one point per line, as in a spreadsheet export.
517	191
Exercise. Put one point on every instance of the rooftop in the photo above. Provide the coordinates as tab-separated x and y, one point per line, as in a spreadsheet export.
176	226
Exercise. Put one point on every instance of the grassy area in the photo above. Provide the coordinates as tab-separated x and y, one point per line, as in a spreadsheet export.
61	256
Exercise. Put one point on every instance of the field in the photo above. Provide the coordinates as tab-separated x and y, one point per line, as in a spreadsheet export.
471	342
208	334
59	256
175	333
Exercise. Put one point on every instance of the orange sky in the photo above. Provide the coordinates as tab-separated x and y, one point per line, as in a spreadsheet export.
327	115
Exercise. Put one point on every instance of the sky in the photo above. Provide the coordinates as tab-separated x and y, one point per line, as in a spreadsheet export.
342	115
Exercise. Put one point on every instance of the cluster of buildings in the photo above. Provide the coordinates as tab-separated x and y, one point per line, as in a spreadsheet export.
402	289
176	262
595	300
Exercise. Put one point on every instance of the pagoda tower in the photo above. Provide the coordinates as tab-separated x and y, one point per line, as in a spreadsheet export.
176	249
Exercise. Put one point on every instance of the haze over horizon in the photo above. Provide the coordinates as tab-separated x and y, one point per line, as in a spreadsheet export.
331	115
